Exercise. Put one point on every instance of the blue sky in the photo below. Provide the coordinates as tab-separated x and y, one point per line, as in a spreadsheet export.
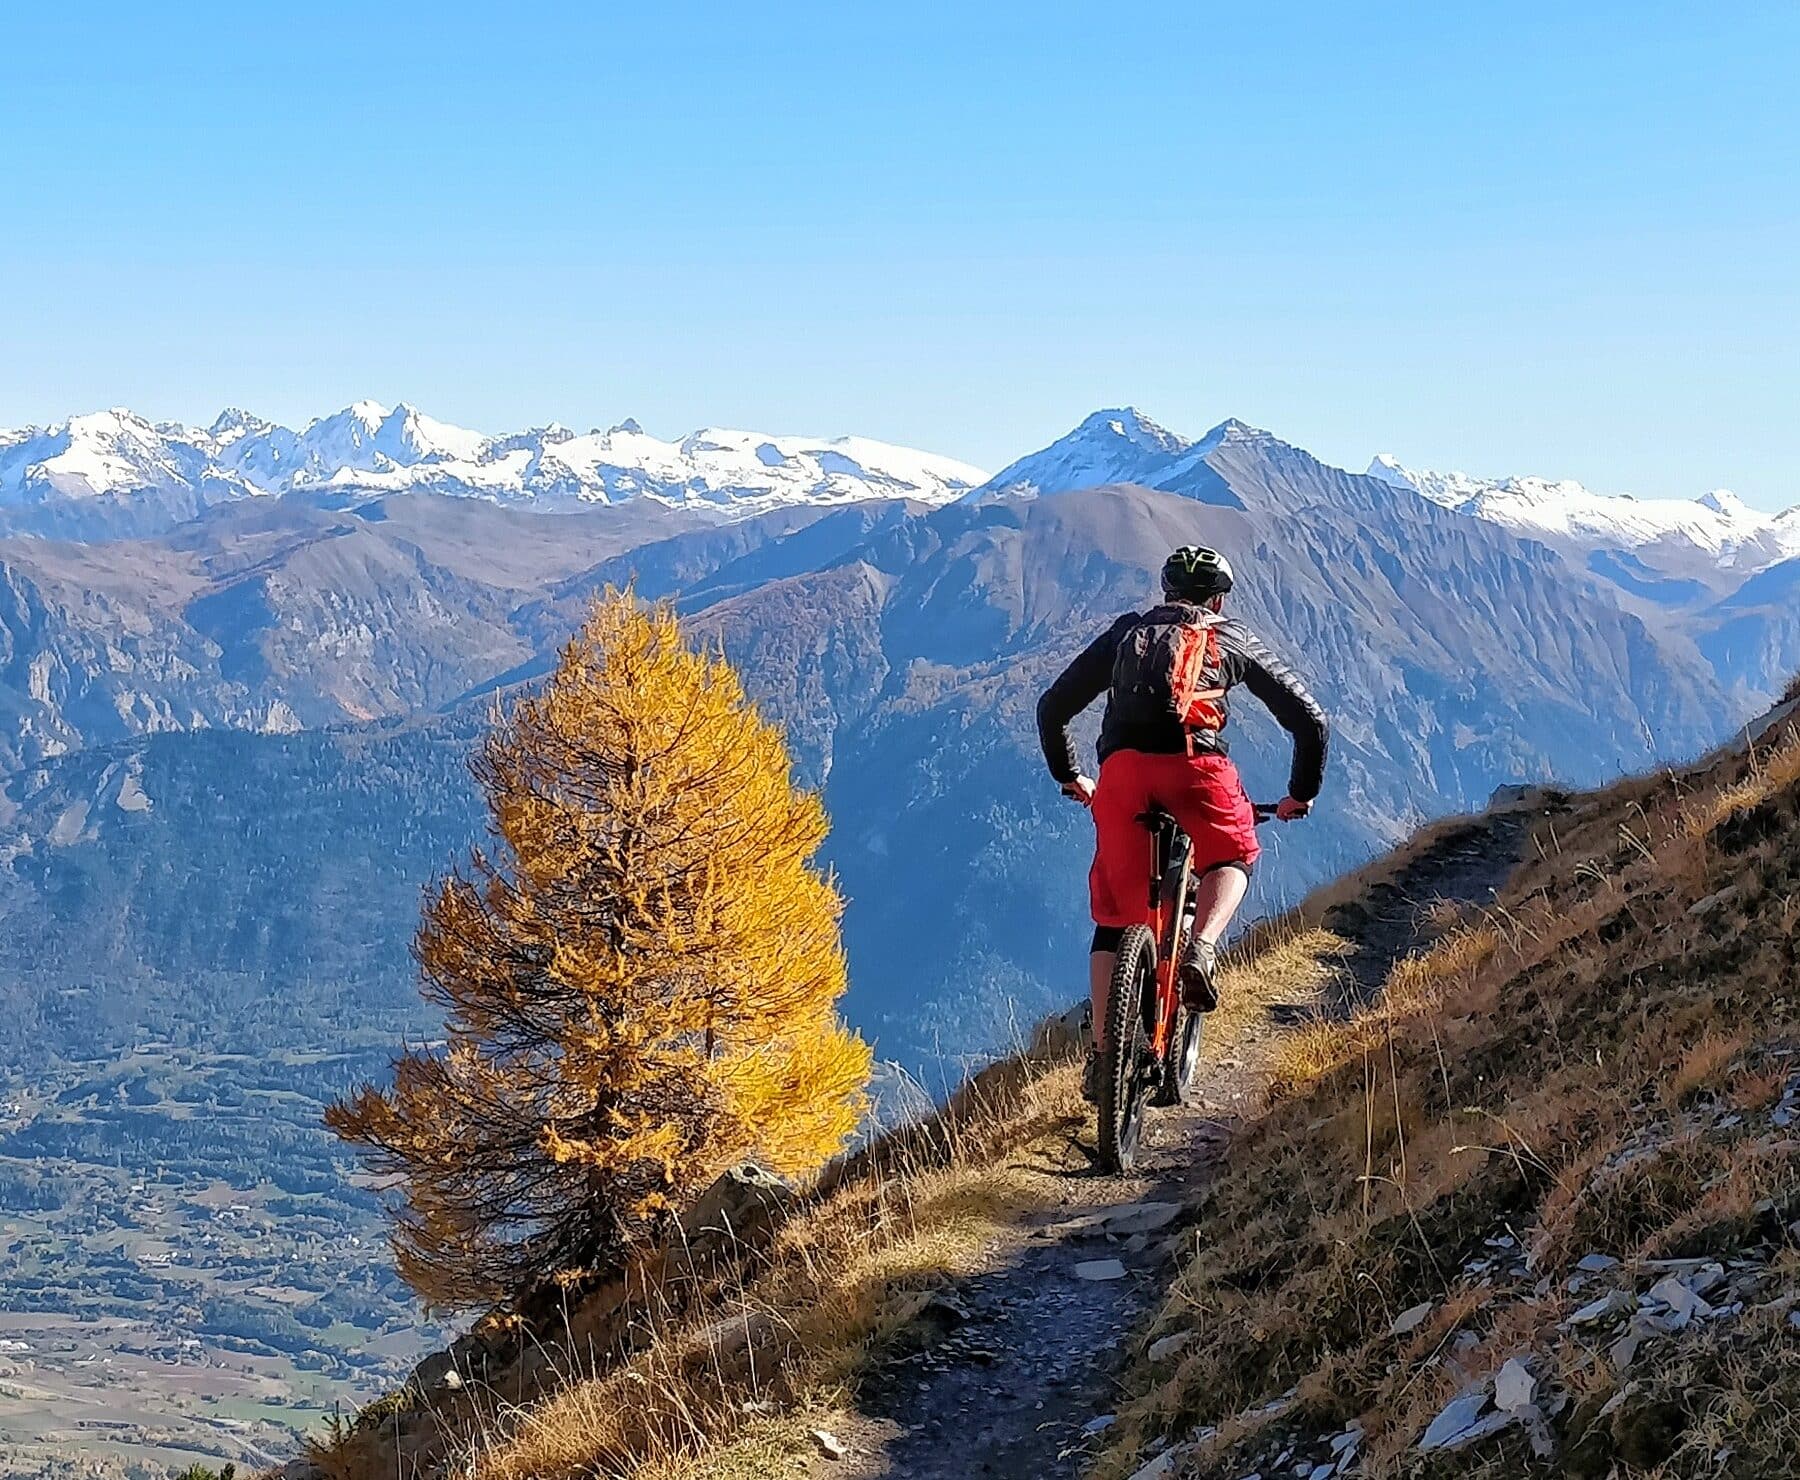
1535	238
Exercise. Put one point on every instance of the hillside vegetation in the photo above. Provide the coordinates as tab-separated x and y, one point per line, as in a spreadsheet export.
1535	1210
720	1355
639	977
1532	1209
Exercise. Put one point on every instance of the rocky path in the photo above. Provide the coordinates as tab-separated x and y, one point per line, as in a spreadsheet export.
1021	1368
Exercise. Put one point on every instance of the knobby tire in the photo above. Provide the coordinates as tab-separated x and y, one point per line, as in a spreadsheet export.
1124	1079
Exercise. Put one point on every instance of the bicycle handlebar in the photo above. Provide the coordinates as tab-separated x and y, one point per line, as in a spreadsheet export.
1265	811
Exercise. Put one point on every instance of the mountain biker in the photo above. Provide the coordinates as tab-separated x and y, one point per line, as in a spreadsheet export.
1167	673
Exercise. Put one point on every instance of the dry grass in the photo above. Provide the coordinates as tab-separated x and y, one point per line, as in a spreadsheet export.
1767	773
847	1277
1701	1067
1414	990
1553	1070
727	1384
762	1448
1289	965
1587	1067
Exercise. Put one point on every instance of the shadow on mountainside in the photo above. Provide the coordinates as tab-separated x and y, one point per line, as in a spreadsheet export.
1013	1371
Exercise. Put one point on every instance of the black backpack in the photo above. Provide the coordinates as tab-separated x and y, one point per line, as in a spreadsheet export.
1168	668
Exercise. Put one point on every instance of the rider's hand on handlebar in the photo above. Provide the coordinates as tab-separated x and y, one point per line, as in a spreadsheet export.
1289	810
1081	789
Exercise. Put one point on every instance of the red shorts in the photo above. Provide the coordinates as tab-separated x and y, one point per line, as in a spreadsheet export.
1201	792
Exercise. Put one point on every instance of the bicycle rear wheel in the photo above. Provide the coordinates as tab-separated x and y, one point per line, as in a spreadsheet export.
1127	1066
1181	1070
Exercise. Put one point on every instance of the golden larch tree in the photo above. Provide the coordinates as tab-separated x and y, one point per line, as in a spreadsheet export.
639	982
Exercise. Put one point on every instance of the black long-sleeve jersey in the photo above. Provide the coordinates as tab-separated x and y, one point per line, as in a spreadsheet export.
1245	661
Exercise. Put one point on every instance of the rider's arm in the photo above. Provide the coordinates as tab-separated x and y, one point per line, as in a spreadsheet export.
1285	697
1077	686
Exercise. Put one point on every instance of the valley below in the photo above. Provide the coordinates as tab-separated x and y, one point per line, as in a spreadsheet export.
193	1270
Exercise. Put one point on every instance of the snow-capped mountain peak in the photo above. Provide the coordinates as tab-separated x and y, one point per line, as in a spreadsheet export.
367	437
1451	490
172	471
1719	525
233	423
97	453
1228	431
1120	445
424	437
1724	501
1385	466
1231	429
1135	427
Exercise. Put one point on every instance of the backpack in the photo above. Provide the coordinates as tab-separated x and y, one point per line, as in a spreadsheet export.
1168	669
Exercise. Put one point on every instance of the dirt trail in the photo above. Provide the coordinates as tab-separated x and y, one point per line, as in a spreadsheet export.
1030	1349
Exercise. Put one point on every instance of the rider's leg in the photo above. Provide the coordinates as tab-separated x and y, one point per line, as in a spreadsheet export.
1207	799
1100	973
1216	899
1119	881
1217	895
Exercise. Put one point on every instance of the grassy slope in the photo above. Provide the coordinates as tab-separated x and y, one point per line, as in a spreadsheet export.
1561	1070
726	1379
1596	1065
840	1289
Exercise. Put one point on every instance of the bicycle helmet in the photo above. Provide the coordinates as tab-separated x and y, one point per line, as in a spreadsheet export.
1195	573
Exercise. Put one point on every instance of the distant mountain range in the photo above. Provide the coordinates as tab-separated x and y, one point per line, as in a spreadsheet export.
113	471
1718	527
901	640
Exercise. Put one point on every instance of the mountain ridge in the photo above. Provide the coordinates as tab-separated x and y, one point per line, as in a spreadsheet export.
115	472
103	471
1717	524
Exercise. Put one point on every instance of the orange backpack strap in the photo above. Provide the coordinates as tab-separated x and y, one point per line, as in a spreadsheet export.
1196	679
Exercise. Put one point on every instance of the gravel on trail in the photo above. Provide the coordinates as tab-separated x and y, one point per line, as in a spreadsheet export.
1031	1357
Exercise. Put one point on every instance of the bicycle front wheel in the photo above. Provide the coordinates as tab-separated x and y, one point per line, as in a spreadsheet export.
1126	1062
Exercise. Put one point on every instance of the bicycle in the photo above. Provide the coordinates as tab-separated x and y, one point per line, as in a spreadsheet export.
1150	1051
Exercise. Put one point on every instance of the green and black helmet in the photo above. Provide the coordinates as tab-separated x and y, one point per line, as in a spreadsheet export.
1195	573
